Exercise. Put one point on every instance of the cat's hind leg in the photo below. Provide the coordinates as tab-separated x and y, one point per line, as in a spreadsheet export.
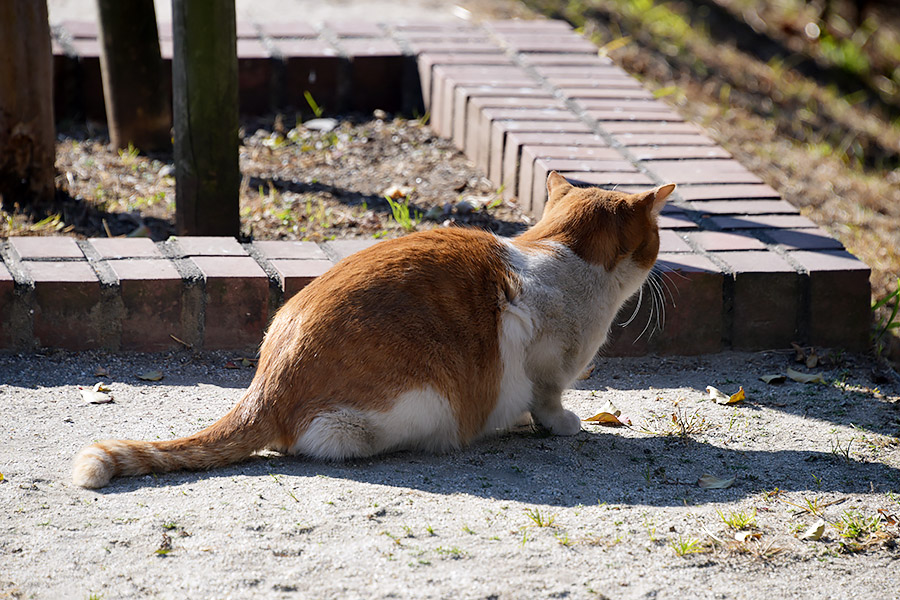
337	435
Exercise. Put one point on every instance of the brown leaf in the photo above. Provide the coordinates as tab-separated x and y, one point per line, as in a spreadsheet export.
814	532
812	360
804	377
608	420
799	354
101	372
720	397
231	365
773	378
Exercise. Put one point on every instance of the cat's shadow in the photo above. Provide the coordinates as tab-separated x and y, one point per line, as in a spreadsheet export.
592	467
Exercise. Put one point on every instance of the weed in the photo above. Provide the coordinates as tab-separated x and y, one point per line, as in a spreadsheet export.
128	155
563	539
317	110
540	520
430	530
401	213
454	552
842	452
684	546
680	424
468	529
739	520
854	525
887	322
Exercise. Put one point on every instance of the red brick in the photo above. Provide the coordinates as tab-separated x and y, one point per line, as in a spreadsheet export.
528	25
604	71
500	129
67	313
427	61
210	246
765	300
679	152
703	171
371	47
669	241
461	127
804	239
304	48
151	297
654	115
744	207
46	247
125	248
625	104
621	130
609	82
693	311
671	218
550	43
237	301
763	222
462	94
447	78
727	192
479	132
563	59
6	308
839	298
462	35
355	29
254	77
605	93
719	241
376	79
344	248
245	29
509	162
662	139
451	46
533	174
607	180
297	274
293	250
288	29
81	29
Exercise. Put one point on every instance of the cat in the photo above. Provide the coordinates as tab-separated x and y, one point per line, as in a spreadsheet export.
427	341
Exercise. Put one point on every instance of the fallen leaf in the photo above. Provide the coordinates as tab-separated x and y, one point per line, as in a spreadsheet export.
231	365
247	362
743	536
101	372
587	372
608	419
812	360
711	482
814	532
96	395
2	479
799	354
101	387
720	397
396	192
151	376
804	377
773	378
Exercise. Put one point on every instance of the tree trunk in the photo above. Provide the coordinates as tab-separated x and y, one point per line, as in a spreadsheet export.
137	100
205	107
27	134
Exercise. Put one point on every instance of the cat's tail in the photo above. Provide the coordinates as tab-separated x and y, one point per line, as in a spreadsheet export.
228	440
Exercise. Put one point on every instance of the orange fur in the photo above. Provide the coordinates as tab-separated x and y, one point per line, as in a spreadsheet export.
434	317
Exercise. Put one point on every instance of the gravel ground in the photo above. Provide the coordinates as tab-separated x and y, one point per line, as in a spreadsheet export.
611	512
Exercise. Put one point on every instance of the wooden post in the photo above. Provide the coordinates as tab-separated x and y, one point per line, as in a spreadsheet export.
205	110
137	96
27	133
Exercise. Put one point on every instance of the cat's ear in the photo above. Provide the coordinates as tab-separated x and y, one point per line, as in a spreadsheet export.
655	199
557	184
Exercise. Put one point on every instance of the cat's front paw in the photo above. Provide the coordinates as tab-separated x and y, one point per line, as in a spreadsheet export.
564	422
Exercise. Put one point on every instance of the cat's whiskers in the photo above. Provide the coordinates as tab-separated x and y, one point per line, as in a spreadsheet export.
637	307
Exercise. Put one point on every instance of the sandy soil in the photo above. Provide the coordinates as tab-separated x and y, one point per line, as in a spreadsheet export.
611	512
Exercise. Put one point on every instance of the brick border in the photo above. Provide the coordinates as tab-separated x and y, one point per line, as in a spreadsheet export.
740	267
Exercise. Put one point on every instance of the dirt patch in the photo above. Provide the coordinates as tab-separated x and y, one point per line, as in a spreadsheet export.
610	512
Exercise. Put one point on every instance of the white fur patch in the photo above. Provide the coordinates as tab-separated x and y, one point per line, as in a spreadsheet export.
420	419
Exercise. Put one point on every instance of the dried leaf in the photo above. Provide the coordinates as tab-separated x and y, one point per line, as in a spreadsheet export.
720	397
151	376
246	362
231	365
812	360
799	354
96	395
711	482
2	479
814	532
101	372
608	419
587	372
804	377
773	378
743	536
101	387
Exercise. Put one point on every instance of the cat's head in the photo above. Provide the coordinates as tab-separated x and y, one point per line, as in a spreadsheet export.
602	227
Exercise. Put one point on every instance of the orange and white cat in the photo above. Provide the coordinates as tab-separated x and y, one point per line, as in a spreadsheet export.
428	341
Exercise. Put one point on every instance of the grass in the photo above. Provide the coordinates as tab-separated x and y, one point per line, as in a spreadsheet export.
739	520
407	219
854	525
680	423
539	519
683	546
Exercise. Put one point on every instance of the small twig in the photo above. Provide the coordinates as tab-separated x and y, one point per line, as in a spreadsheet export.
182	342
106	228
